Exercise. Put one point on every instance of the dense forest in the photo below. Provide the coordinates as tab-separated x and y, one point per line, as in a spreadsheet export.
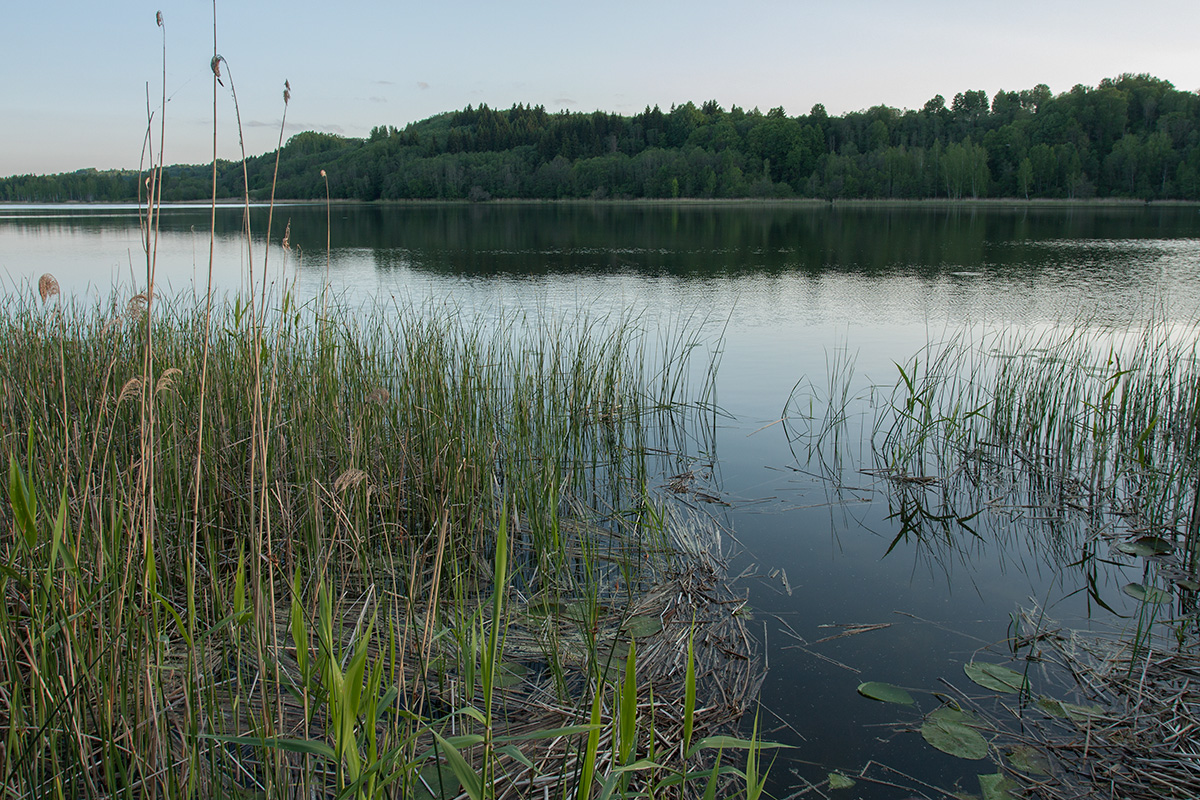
1135	136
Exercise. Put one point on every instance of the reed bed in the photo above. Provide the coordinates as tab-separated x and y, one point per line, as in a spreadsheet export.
1089	437
380	555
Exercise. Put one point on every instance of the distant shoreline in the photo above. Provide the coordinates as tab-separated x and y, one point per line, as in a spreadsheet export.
988	202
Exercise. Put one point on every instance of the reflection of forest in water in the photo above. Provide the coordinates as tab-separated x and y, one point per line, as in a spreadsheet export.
681	239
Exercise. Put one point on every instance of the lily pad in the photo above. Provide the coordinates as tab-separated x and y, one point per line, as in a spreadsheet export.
995	677
955	738
1147	546
955	716
1072	711
885	693
579	612
1028	760
437	782
839	781
997	787
545	608
1147	594
509	673
641	627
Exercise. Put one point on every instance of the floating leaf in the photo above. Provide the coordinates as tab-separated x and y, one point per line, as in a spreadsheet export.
955	716
955	738
437	782
579	612
1072	711
509	673
1147	594
839	781
1147	546
545	608
885	692
1188	583
997	787
641	627
1028	760
995	677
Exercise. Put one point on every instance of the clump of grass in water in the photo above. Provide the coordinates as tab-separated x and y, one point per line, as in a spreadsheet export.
394	448
1097	428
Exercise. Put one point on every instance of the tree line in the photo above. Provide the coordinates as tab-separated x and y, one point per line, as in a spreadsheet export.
1134	136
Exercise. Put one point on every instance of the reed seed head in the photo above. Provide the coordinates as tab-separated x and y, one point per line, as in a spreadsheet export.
287	236
323	175
287	92
166	381
349	479
158	19
216	67
136	306
379	396
47	286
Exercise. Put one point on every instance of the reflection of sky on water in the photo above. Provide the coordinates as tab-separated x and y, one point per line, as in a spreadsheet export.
784	300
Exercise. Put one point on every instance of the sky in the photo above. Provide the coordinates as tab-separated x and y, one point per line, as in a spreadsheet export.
78	75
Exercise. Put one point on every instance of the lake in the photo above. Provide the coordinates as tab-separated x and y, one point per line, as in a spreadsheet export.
781	295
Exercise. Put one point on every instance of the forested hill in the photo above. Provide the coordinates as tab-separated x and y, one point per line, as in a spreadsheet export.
1131	137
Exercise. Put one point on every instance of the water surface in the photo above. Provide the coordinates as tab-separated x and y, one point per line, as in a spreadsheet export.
779	292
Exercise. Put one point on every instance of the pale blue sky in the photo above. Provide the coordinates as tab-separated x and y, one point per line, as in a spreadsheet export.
75	72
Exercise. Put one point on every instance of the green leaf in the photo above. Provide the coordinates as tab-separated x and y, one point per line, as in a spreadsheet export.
1146	547
839	781
548	733
956	716
955	738
24	503
513	752
997	787
995	677
304	746
1026	759
1146	594
641	627
544	607
1072	711
885	693
627	706
579	612
299	627
436	782
470	780
509	673
731	742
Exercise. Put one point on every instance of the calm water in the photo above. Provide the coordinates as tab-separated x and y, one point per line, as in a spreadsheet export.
781	291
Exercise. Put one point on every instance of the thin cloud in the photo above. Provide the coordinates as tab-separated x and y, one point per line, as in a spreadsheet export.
564	101
422	85
377	99
384	83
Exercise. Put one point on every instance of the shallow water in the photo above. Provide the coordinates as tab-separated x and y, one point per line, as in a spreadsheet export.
781	292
